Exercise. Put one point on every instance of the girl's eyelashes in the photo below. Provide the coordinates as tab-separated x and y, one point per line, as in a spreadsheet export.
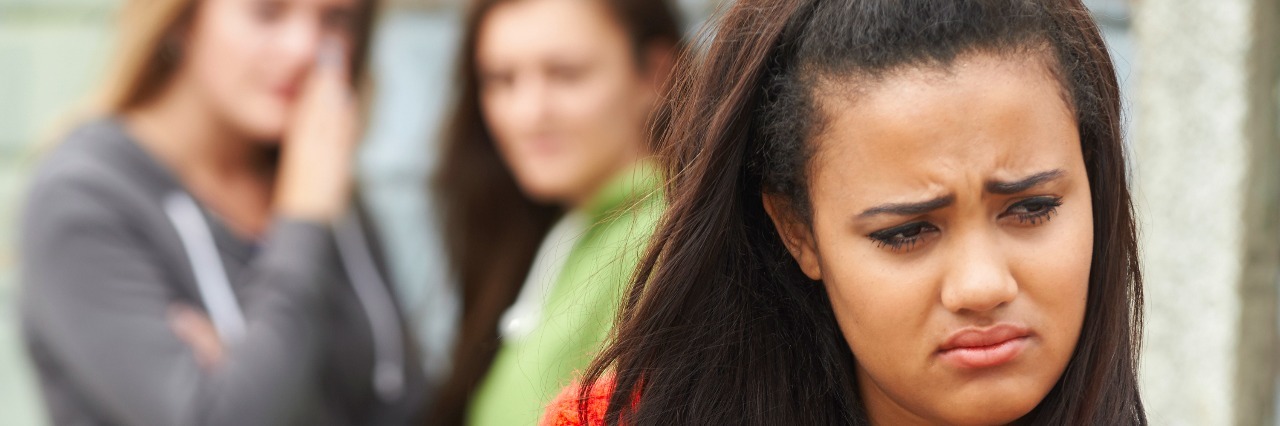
1034	211
904	237
1030	212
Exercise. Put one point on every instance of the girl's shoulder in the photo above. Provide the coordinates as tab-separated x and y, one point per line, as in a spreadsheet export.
564	409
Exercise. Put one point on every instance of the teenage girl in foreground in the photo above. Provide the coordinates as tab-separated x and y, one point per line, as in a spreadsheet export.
885	212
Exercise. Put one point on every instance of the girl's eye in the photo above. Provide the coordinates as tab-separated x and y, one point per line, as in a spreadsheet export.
496	80
566	73
902	238
1034	211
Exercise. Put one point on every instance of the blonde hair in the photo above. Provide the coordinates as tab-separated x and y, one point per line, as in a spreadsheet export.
147	53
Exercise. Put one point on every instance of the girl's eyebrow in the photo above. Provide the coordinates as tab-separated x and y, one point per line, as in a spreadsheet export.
1010	188
993	186
909	209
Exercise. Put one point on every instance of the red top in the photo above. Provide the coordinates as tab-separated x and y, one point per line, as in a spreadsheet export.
563	410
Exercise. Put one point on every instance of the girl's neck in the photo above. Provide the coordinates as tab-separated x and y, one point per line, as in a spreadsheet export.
226	170
584	199
192	140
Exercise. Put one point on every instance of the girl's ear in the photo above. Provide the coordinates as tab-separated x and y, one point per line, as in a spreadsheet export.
796	234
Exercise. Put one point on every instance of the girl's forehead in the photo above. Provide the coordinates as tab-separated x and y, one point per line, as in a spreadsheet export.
530	32
985	116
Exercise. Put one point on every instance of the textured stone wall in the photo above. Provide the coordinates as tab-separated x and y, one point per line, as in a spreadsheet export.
1207	163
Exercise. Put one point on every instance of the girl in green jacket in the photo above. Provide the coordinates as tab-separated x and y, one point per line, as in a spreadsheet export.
547	198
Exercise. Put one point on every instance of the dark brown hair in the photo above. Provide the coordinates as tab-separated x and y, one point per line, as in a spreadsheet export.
491	228
721	327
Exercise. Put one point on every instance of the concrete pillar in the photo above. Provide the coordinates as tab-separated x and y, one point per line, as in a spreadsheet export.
1208	189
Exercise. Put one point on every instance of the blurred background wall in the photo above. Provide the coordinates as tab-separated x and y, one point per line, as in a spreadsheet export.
1208	187
49	52
1200	78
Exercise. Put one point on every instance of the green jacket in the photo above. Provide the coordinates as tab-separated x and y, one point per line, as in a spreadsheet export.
580	307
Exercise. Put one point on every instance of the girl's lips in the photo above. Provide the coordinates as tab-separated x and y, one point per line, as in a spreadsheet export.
287	94
983	348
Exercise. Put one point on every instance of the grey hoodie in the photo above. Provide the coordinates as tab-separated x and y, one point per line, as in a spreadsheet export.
102	261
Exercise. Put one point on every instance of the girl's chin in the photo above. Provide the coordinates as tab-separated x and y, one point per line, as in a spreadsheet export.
261	131
262	122
269	143
994	414
550	189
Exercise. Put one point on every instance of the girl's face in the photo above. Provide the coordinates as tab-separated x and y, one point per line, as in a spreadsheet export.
953	230
562	95
246	59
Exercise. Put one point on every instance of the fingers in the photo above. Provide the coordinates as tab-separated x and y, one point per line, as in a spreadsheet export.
329	100
197	331
314	181
330	77
332	56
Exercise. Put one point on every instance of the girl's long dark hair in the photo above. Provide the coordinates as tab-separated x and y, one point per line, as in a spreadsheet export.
721	327
491	228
